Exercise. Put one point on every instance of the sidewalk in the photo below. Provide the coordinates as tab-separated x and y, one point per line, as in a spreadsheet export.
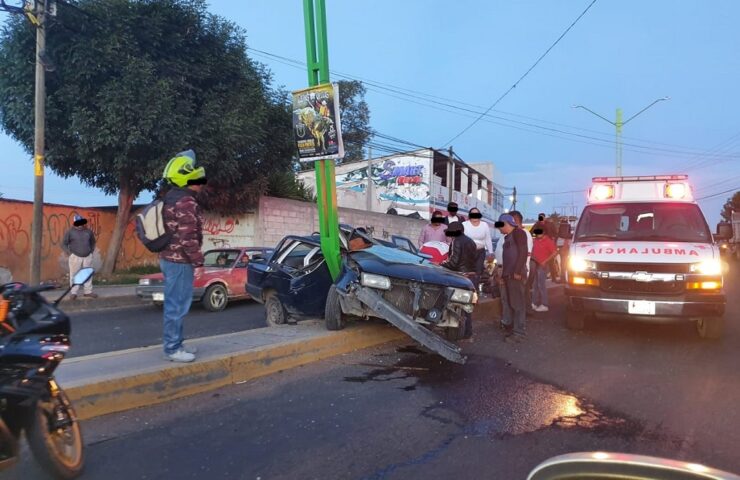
109	296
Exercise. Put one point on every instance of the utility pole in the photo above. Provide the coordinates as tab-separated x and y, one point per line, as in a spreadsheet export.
38	144
451	176
618	124
317	59
513	199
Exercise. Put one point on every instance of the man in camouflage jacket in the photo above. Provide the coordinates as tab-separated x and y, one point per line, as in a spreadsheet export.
182	217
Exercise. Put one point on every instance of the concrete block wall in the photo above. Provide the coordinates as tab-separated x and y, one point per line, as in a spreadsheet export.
279	217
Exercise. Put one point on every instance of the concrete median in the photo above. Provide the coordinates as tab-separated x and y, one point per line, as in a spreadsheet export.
118	381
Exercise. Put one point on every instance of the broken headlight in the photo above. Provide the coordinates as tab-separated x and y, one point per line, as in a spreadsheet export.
375	281
462	296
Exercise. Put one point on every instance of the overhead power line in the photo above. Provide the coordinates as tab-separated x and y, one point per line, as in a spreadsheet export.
719	193
562	35
516	124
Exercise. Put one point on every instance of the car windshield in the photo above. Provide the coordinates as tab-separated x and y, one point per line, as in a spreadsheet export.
220	258
676	222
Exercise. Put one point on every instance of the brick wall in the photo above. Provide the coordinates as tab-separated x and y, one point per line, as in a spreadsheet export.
278	217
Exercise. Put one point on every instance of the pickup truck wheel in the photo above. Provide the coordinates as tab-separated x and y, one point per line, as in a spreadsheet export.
275	311
710	327
216	298
575	320
335	319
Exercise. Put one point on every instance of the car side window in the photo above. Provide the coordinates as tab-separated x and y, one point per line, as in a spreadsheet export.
295	255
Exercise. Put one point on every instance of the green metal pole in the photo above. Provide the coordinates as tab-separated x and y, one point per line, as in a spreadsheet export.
317	58
618	124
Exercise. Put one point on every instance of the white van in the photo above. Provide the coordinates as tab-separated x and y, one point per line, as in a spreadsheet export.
643	250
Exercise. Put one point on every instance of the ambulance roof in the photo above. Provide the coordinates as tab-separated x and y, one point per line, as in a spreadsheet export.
656	188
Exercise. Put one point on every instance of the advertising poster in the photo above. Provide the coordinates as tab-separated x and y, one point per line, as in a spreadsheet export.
316	123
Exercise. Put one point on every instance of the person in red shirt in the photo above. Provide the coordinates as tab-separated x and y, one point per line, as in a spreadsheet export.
543	251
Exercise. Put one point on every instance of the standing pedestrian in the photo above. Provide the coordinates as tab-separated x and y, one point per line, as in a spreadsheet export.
543	252
530	267
434	231
480	232
79	244
514	274
183	219
452	214
461	259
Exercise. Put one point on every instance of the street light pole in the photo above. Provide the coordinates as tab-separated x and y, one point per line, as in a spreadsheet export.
618	124
38	148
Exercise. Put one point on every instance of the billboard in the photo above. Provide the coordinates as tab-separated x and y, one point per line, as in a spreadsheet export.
317	125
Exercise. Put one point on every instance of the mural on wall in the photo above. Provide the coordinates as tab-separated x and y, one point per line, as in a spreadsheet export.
400	182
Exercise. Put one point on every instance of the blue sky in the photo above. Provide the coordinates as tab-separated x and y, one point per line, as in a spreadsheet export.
621	54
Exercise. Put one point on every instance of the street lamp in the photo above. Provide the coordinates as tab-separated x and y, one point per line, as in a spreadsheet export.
618	124
537	199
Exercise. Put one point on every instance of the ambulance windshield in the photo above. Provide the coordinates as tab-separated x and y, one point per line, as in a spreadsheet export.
671	222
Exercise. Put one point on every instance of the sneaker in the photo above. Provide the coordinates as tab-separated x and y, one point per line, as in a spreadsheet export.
533	307
181	356
542	308
91	295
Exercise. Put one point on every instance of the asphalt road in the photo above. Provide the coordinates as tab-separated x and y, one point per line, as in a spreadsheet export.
120	329
397	412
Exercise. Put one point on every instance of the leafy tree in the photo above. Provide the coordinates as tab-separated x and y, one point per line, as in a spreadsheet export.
355	119
135	82
731	205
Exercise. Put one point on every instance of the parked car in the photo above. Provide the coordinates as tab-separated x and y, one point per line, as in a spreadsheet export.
376	280
220	279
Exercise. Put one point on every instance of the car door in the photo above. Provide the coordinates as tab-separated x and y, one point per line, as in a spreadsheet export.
237	276
311	284
286	265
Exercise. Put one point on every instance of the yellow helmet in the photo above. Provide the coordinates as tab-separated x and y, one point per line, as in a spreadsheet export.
181	170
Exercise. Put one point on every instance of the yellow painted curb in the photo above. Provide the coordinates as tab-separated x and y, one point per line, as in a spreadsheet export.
117	395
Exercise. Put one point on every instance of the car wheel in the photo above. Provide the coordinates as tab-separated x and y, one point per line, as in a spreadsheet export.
275	312
216	298
710	327
575	320
335	319
455	334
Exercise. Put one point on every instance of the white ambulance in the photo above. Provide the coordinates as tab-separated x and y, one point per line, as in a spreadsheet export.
642	250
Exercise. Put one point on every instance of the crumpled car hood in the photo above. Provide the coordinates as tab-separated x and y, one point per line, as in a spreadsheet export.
396	263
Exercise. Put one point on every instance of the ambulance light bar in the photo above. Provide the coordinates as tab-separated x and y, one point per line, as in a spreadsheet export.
652	178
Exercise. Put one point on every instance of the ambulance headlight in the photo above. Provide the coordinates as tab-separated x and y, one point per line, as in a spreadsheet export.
707	267
579	264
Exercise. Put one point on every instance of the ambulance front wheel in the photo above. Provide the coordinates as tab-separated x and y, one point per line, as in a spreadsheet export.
710	327
574	319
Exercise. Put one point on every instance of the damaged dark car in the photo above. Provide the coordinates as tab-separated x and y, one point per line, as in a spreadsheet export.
425	301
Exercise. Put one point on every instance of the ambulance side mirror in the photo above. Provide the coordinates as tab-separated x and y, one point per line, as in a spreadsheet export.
564	230
724	231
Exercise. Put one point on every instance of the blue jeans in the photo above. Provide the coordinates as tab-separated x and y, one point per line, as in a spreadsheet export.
539	297
513	300
178	294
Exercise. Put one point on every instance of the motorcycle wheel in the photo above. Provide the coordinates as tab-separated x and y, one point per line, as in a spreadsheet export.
60	451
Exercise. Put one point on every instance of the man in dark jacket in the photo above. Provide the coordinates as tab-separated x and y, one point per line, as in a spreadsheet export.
183	219
79	244
461	259
514	276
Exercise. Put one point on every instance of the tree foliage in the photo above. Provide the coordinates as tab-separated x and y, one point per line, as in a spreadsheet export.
355	119
137	81
731	205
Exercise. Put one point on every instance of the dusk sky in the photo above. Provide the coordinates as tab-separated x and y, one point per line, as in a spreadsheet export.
432	64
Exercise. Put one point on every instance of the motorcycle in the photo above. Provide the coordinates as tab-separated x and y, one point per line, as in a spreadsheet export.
34	339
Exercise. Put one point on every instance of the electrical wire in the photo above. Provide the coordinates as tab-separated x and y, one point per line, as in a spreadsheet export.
736	189
524	75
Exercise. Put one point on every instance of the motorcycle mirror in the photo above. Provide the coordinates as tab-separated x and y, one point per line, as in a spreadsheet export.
83	276
604	465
